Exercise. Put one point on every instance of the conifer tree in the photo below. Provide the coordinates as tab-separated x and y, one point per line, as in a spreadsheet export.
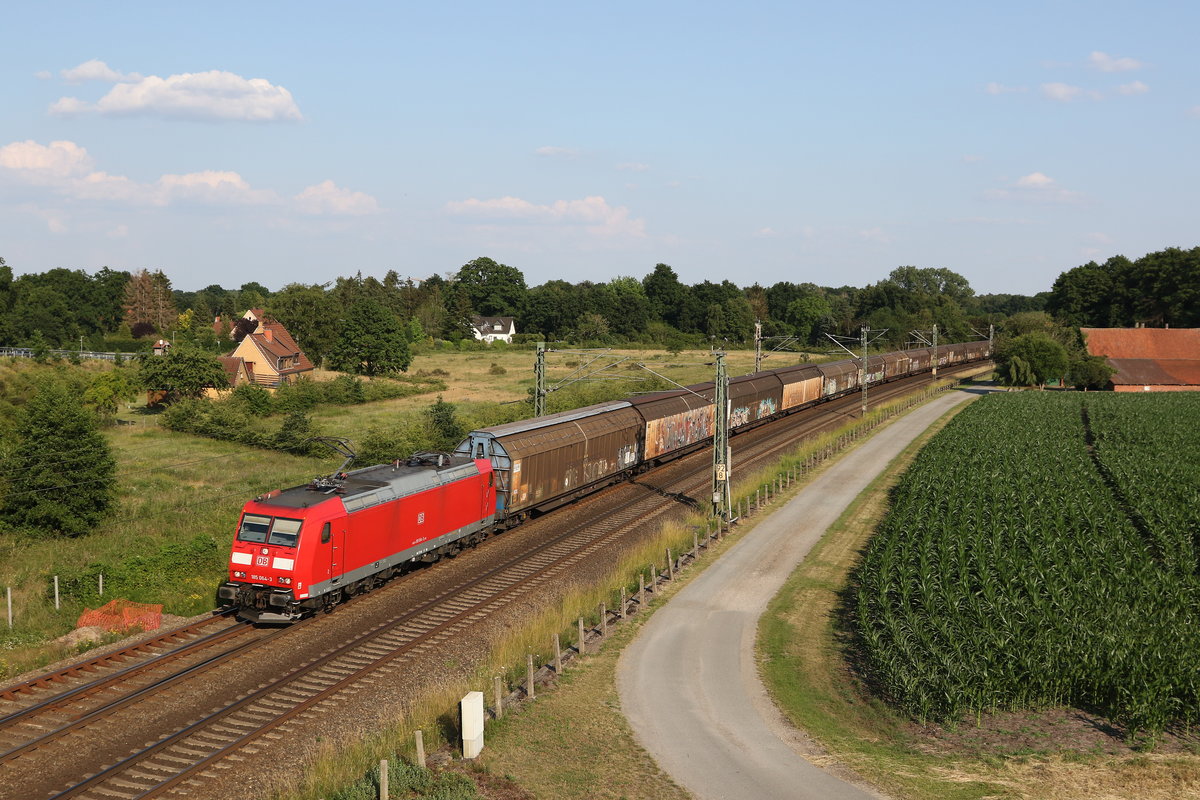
61	478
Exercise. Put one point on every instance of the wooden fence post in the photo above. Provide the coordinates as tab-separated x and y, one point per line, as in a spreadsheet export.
56	606
421	747
8	592
603	621
383	779
499	701
529	676
557	655
621	613
582	637
641	591
670	566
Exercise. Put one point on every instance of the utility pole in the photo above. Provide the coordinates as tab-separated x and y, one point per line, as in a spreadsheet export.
722	457
935	356
757	345
862	370
864	341
539	381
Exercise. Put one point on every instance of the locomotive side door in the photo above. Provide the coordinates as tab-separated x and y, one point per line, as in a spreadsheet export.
337	550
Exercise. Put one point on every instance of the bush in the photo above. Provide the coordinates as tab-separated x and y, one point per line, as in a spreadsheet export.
496	369
254	399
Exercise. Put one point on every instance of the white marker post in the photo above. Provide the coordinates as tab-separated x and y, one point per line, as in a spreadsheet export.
472	724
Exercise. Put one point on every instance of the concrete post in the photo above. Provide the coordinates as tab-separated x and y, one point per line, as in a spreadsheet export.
622	611
670	566
695	546
557	656
102	584
529	677
383	779
603	621
421	747
496	689
582	638
472	722
8	592
56	606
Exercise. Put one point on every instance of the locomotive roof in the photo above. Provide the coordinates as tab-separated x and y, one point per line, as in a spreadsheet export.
370	486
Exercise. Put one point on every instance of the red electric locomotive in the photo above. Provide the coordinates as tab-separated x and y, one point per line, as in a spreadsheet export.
309	547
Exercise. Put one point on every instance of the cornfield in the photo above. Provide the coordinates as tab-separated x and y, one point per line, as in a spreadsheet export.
1042	551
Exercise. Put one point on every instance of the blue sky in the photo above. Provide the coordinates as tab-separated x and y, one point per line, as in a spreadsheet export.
282	142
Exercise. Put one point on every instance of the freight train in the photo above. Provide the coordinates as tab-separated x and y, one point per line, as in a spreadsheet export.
307	548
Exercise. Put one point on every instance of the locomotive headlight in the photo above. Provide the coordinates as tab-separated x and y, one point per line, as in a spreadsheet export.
286	581
238	574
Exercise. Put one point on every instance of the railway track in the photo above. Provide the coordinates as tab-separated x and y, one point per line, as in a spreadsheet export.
245	718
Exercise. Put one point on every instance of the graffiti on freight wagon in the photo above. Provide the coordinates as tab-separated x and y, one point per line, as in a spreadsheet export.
678	430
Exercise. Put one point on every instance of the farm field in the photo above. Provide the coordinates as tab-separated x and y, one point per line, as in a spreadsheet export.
1042	552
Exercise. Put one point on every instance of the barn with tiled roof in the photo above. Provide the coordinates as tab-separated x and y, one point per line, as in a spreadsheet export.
1149	359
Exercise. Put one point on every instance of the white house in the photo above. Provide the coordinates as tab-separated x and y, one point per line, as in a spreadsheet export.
491	329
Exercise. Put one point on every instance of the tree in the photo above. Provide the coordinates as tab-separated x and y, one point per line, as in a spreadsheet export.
310	315
666	294
1031	359
1091	372
183	372
371	341
493	289
806	313
148	300
445	429
61	478
108	390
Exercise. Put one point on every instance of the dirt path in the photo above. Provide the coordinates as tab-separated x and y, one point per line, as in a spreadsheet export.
689	684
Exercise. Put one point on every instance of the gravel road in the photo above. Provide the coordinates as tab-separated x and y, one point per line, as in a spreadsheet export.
689	685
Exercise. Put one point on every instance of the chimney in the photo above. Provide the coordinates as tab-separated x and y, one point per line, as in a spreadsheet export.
269	334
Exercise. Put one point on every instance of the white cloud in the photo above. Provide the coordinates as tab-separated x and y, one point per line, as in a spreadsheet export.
1060	91
1106	63
328	198
633	166
765	233
199	95
213	187
1035	180
119	232
1100	238
971	159
877	235
41	164
1036	187
96	70
998	88
43	74
549	151
1137	87
593	213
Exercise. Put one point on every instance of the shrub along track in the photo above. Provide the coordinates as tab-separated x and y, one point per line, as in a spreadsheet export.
201	736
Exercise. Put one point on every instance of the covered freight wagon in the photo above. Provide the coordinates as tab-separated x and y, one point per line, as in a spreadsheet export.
754	397
676	419
838	376
543	462
801	384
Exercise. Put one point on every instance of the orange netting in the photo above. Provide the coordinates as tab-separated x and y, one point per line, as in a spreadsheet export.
122	615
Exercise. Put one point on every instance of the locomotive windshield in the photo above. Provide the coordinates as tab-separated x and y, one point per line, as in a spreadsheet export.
285	531
269	530
254	528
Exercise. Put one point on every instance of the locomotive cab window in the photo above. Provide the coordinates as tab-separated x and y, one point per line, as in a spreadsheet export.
285	531
254	528
325	534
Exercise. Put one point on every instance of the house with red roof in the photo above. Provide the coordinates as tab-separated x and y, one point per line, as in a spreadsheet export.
270	354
